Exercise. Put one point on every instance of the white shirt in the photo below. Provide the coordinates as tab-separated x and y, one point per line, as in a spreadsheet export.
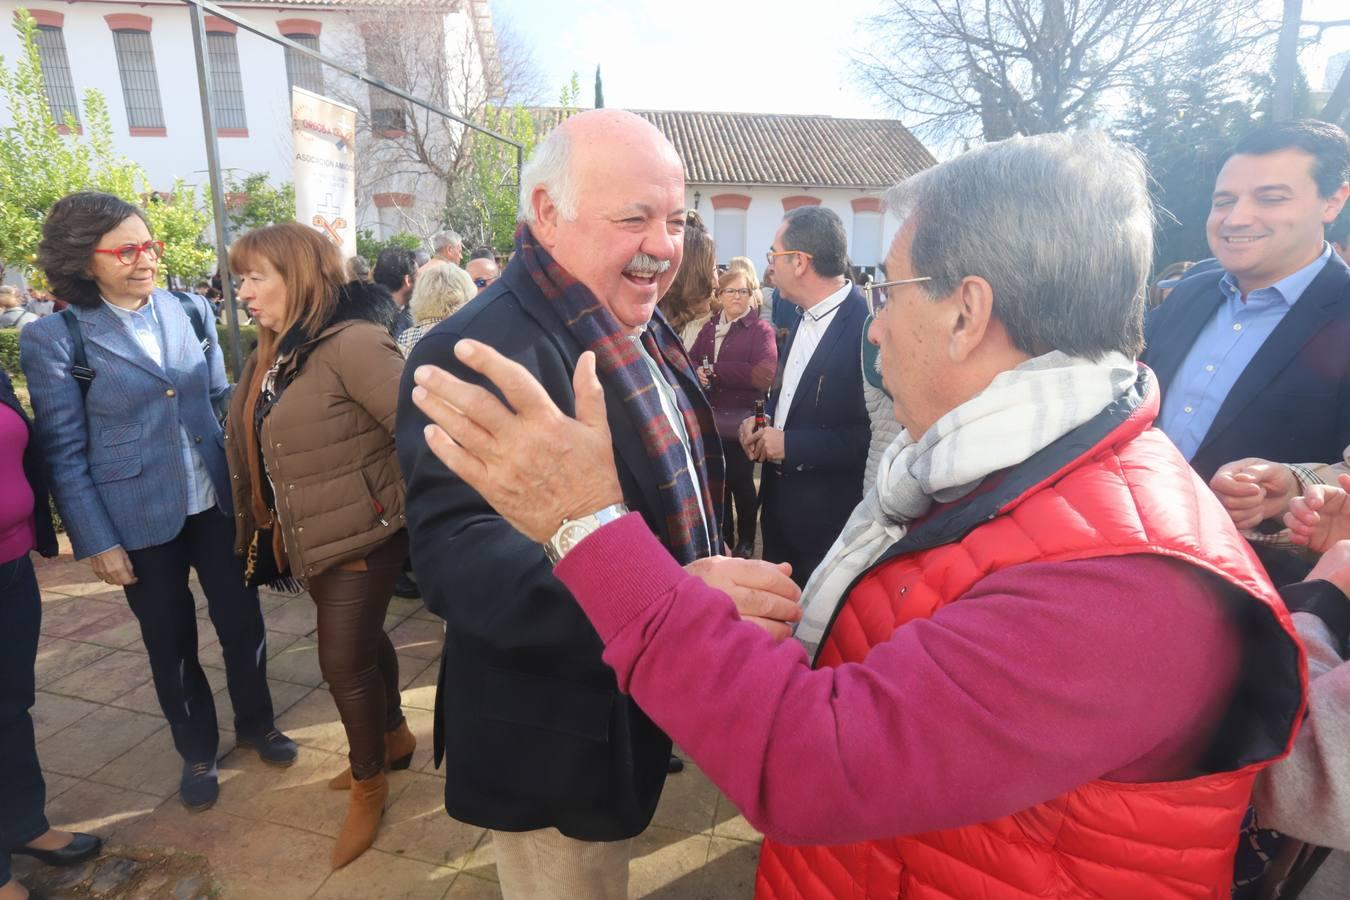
815	322
144	326
672	410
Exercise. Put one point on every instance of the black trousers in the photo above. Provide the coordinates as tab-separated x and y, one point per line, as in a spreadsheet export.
165	608
23	793
739	504
777	546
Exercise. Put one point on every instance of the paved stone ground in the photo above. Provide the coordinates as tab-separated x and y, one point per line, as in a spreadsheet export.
111	769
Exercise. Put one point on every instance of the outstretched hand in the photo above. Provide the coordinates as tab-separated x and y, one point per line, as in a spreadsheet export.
1321	517
534	464
763	592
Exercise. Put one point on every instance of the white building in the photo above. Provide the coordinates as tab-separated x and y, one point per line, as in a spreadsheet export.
743	171
140	56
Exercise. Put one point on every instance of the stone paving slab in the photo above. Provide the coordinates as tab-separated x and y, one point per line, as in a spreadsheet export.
111	769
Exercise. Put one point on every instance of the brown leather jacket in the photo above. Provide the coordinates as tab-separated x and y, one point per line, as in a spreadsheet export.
328	442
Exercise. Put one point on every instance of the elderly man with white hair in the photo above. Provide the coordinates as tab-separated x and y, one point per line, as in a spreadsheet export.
1039	661
540	744
448	246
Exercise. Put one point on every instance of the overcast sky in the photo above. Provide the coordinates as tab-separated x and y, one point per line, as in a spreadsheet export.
788	56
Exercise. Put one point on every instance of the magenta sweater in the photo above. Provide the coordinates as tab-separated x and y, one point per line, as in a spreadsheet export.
16	496
1043	677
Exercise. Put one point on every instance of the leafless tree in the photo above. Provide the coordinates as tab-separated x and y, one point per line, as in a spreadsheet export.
449	60
1292	37
992	69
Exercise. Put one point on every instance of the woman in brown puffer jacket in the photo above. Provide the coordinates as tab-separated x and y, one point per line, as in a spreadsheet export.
317	490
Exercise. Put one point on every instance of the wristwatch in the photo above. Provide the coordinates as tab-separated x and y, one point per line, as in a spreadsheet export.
574	531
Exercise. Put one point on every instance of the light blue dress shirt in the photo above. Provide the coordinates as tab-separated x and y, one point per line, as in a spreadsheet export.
1222	351
144	326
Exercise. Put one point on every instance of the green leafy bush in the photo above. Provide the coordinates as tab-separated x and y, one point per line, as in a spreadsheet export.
9	351
248	339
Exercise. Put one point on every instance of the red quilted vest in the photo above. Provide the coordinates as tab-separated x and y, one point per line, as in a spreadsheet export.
1131	493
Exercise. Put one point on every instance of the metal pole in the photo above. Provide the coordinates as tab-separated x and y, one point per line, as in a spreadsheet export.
354	72
217	187
520	165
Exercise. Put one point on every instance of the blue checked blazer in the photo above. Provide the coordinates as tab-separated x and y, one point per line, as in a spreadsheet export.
113	458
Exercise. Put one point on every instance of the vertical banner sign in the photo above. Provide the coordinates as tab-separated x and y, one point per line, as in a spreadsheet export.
324	138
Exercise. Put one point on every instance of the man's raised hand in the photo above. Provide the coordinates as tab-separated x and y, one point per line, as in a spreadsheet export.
534	464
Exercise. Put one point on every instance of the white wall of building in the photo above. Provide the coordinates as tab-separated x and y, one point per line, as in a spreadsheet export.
765	213
181	151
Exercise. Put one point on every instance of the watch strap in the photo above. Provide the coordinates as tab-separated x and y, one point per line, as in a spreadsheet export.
555	548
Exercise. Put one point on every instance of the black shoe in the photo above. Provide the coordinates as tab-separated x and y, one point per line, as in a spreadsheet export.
274	748
744	550
82	847
406	587
675	765
198	788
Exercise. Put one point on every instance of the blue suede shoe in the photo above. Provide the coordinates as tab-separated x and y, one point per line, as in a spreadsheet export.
274	748
198	788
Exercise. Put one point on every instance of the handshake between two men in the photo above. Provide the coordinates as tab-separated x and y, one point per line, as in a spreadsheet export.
539	467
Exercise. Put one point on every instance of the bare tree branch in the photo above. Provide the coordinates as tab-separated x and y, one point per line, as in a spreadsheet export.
958	68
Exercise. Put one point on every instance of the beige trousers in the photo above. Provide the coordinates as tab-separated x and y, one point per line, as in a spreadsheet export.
547	865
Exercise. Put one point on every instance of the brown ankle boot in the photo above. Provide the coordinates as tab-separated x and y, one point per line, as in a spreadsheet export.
399	745
364	811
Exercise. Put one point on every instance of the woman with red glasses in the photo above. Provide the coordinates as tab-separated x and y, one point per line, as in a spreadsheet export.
123	391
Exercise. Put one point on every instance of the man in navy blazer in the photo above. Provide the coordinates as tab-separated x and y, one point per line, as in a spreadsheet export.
815	450
1253	358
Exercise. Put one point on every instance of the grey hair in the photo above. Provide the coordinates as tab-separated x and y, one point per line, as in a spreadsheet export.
439	291
1060	225
549	167
448	238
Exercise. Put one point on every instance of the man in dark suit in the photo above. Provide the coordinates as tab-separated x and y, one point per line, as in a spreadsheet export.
815	450
1252	357
539	743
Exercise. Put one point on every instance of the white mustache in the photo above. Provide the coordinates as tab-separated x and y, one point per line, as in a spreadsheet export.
645	263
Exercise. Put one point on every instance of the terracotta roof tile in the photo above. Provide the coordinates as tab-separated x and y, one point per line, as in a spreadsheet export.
792	151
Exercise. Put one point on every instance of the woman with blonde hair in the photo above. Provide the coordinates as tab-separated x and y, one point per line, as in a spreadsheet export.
317	489
440	290
744	264
742	356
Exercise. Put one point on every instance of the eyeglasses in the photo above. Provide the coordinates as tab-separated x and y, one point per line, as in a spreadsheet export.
876	293
128	254
481	282
772	253
734	292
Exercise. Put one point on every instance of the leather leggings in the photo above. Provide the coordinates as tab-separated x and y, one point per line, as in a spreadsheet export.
356	656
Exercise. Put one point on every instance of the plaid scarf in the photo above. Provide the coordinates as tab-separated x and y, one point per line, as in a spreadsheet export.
618	362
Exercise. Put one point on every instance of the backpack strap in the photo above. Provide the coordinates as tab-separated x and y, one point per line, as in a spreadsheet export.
195	315
79	368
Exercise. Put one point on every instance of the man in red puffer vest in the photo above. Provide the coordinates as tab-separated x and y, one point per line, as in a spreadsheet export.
1039	661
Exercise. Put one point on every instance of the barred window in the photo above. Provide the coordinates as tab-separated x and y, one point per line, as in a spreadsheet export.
304	71
51	45
140	87
227	88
